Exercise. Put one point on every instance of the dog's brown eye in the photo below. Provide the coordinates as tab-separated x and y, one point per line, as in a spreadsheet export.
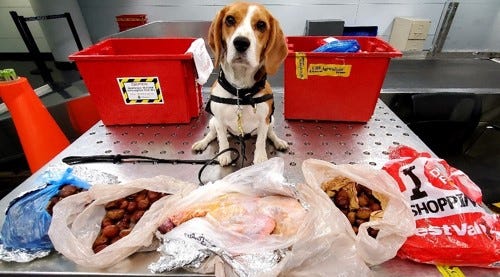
261	26
230	21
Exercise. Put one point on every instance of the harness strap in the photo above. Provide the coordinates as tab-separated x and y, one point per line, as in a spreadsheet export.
234	101
245	101
244	96
242	92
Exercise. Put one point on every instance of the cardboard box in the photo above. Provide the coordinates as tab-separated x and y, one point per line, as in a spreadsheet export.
414	45
334	86
406	32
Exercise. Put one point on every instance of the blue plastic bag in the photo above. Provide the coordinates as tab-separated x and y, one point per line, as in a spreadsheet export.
27	220
349	45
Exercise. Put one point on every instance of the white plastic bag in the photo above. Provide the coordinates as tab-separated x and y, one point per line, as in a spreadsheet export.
202	60
316	246
76	221
397	223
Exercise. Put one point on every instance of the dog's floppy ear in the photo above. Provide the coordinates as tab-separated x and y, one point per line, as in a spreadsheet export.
215	35
276	48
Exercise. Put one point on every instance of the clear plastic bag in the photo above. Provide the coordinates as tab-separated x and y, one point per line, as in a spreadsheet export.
303	243
397	222
76	220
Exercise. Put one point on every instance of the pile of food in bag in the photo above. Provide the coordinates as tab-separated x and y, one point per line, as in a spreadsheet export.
357	202
342	220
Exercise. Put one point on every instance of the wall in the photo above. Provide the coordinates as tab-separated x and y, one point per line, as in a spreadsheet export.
11	41
291	13
476	26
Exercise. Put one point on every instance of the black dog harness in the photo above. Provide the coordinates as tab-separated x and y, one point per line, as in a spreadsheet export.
243	97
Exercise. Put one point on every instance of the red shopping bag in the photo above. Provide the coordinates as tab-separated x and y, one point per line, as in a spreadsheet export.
452	226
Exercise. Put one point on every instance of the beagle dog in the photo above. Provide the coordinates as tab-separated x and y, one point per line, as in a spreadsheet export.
248	44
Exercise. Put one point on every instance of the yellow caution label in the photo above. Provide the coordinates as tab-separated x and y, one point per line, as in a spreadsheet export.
140	90
301	65
334	70
303	70
450	271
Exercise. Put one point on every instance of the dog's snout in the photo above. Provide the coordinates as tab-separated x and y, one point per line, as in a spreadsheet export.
241	43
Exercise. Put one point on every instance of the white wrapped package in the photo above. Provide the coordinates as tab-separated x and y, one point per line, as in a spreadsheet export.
202	60
254	223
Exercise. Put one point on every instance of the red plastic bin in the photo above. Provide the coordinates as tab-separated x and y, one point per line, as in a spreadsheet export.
127	21
334	86
141	80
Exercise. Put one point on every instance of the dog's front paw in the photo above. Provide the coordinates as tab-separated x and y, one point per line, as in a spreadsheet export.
224	159
280	144
199	145
259	157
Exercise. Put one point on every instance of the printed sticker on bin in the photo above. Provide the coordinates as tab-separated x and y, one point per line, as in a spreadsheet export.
303	70
140	90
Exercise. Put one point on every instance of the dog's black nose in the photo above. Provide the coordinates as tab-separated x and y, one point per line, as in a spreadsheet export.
241	44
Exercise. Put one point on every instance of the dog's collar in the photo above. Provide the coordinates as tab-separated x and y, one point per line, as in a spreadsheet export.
242	93
243	96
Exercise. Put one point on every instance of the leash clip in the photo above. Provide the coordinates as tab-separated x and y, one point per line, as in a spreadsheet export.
239	114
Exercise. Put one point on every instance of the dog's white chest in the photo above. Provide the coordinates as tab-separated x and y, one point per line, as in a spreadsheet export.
229	115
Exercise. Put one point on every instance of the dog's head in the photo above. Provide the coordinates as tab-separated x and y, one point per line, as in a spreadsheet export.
247	36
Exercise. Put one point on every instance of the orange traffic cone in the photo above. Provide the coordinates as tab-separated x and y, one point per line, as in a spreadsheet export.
40	136
82	114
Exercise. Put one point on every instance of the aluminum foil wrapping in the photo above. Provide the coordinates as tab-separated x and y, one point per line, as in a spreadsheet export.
190	251
21	255
179	253
89	175
53	172
255	264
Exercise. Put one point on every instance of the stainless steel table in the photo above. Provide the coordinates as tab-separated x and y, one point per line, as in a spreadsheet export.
363	143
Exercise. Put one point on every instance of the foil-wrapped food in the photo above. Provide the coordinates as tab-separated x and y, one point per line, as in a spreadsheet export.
243	218
254	223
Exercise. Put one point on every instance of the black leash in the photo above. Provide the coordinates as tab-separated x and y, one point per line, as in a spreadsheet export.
117	159
243	148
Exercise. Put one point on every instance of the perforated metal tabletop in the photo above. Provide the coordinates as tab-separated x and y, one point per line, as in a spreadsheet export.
336	142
